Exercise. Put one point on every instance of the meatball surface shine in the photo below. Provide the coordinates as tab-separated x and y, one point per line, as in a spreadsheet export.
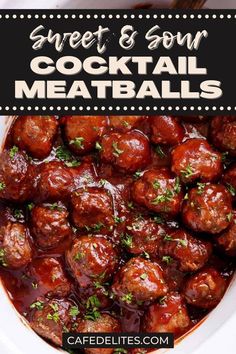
205	289
35	134
92	209
168	316
92	258
195	159
52	319
159	191
227	239
49	224
166	130
190	252
208	208
127	151
50	277
82	132
103	324
17	176
223	133
15	248
125	123
139	280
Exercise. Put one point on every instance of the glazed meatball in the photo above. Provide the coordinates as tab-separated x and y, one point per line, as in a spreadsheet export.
92	209
125	123
208	208
127	151
195	159
166	130
92	259
82	132
52	318
142	234
227	239
103	324
35	134
49	224
15	249
158	191
190	252
223	134
205	289
56	181
17	176
139	280
169	315
50	277
229	179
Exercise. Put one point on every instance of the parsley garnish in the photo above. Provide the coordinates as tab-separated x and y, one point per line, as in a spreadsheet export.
167	259
2	258
188	172
117	152
74	311
143	276
13	152
231	189
127	298
92	306
127	241
98	146
160	152
78	142
2	186
37	305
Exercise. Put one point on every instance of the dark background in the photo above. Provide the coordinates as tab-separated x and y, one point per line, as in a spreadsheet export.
217	53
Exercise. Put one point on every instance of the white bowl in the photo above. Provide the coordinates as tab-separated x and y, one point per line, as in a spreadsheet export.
215	334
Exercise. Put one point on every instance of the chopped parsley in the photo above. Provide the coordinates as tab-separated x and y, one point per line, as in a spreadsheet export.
160	152
2	258
127	241
231	189
183	243
34	285
13	152
55	315
146	255
177	186
143	276
158	219
163	198
18	214
78	142
229	217
188	172
156	185
63	154
120	351
200	187
167	259
116	151
127	298
30	206
162	300
55	206
102	182
2	186
78	256
98	146
137	174
37	305
74	311
92	306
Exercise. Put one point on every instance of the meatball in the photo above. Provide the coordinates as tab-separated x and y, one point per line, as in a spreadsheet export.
166	130
82	132
229	179
169	315
35	134
142	235
50	277
127	151
195	159
191	253
125	123
208	208
158	191
205	289
92	209
17	176
139	280
227	239
56	181
223	133
92	259
49	224
15	249
103	324
51	318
